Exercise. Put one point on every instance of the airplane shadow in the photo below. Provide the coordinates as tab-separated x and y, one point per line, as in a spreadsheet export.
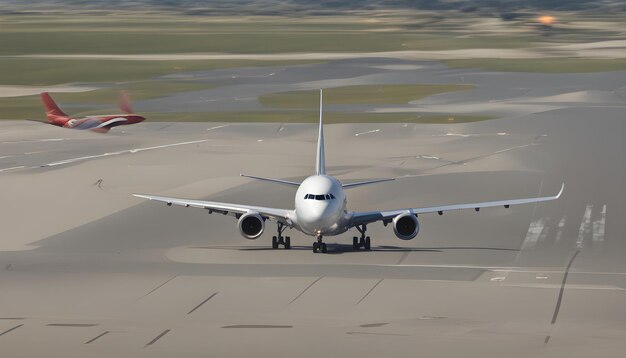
333	249
338	249
444	248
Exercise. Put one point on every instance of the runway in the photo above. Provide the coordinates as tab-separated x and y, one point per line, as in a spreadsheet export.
497	93
88	270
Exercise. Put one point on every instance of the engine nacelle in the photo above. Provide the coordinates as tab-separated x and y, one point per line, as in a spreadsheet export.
251	225
406	226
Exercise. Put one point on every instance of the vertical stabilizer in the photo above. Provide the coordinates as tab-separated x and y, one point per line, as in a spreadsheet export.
53	111
320	163
125	106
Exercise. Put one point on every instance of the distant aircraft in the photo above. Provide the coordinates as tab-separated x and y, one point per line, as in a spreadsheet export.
320	209
100	124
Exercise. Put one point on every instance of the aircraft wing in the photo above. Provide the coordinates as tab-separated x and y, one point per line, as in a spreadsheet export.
360	218
235	210
112	121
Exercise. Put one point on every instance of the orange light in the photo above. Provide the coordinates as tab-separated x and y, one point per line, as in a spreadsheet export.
546	20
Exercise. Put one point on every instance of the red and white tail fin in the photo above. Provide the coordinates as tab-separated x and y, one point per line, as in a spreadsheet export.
52	110
125	103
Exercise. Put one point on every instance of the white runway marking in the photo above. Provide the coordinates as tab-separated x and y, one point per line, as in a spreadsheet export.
513	148
462	135
598	227
569	287
561	225
129	151
19	155
534	231
427	157
585	227
255	76
36	140
217	127
506	270
368	132
12	168
545	231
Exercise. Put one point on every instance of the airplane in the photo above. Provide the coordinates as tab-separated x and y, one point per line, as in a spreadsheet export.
320	208
99	124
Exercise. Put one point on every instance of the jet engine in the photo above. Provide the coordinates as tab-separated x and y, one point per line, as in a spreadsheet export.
406	226
251	225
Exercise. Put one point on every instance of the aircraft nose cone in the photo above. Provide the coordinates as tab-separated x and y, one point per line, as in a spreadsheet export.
316	211
135	119
318	216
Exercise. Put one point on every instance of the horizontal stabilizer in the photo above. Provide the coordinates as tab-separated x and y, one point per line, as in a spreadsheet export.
278	181
361	183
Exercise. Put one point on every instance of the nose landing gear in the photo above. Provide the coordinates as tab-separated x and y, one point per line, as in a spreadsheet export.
363	241
319	245
280	239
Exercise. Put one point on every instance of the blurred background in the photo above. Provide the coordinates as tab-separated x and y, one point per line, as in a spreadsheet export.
87	51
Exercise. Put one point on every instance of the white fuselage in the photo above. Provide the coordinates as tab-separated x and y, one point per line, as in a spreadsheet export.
321	206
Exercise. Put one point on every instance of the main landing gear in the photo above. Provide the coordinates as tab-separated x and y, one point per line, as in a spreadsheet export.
363	241
280	239
357	242
319	245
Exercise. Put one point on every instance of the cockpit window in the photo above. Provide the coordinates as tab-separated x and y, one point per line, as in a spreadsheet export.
319	196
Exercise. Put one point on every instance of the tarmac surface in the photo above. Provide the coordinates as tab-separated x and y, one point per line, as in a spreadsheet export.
496	93
88	270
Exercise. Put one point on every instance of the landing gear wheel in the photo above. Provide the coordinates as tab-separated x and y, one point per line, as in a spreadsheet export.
280	239
319	245
364	241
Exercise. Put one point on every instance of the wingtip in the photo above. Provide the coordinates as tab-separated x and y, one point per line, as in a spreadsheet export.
561	191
